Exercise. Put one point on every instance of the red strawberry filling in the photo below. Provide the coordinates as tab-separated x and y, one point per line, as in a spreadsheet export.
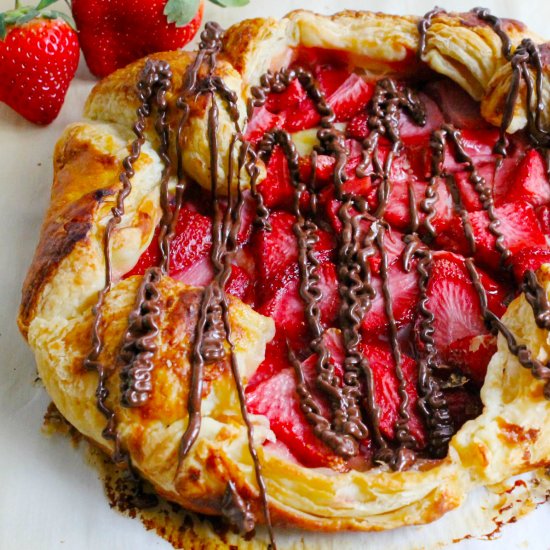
266	268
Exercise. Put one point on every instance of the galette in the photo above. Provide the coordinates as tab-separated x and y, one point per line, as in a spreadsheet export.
300	276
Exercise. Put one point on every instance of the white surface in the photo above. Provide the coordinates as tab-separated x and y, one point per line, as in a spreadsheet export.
49	497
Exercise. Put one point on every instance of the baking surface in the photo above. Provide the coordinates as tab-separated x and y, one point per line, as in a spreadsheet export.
50	497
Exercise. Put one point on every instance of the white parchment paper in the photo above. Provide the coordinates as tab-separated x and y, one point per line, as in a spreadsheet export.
50	497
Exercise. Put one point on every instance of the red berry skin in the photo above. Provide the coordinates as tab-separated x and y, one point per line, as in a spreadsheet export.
113	34
38	60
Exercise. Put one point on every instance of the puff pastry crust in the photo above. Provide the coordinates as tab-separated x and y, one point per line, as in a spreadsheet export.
511	436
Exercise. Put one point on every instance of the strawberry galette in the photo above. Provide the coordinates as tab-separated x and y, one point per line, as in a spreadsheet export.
311	288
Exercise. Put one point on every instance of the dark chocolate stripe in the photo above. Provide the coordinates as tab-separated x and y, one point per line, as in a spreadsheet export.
483	14
146	88
536	296
432	402
484	192
423	26
139	347
387	104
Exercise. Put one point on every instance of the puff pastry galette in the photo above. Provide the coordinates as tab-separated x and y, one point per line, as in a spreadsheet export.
311	288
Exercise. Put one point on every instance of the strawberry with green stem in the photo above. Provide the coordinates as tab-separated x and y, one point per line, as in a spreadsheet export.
39	55
113	34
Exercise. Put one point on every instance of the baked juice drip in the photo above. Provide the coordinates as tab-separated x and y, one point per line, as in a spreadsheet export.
341	364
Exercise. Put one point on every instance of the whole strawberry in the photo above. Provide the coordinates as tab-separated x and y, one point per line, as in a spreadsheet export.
114	33
39	55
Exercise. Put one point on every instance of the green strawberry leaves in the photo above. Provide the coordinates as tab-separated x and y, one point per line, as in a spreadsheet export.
45	3
181	12
23	14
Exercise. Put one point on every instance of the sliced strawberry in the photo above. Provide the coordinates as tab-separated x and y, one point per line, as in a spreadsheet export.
190	245
240	284
247	216
358	127
530	182
452	267
454	301
324	168
200	273
468	195
457	106
277	399
477	144
518	224
301	117
472	355
330	77
276	252
386	390
289	98
350	98
531	257
404	290
192	241
149	258
394	245
286	307
277	189
262	120
411	131
330	206
398	208
318	57
276	359
504	173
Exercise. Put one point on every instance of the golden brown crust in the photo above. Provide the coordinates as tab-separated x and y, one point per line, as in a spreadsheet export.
74	199
468	50
512	435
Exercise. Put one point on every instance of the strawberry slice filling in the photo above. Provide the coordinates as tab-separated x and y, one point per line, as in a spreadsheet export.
266	275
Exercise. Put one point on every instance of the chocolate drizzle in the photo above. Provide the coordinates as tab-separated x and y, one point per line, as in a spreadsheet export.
495	23
139	346
432	402
423	26
147	87
213	330
236	510
388	103
536	296
523	59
